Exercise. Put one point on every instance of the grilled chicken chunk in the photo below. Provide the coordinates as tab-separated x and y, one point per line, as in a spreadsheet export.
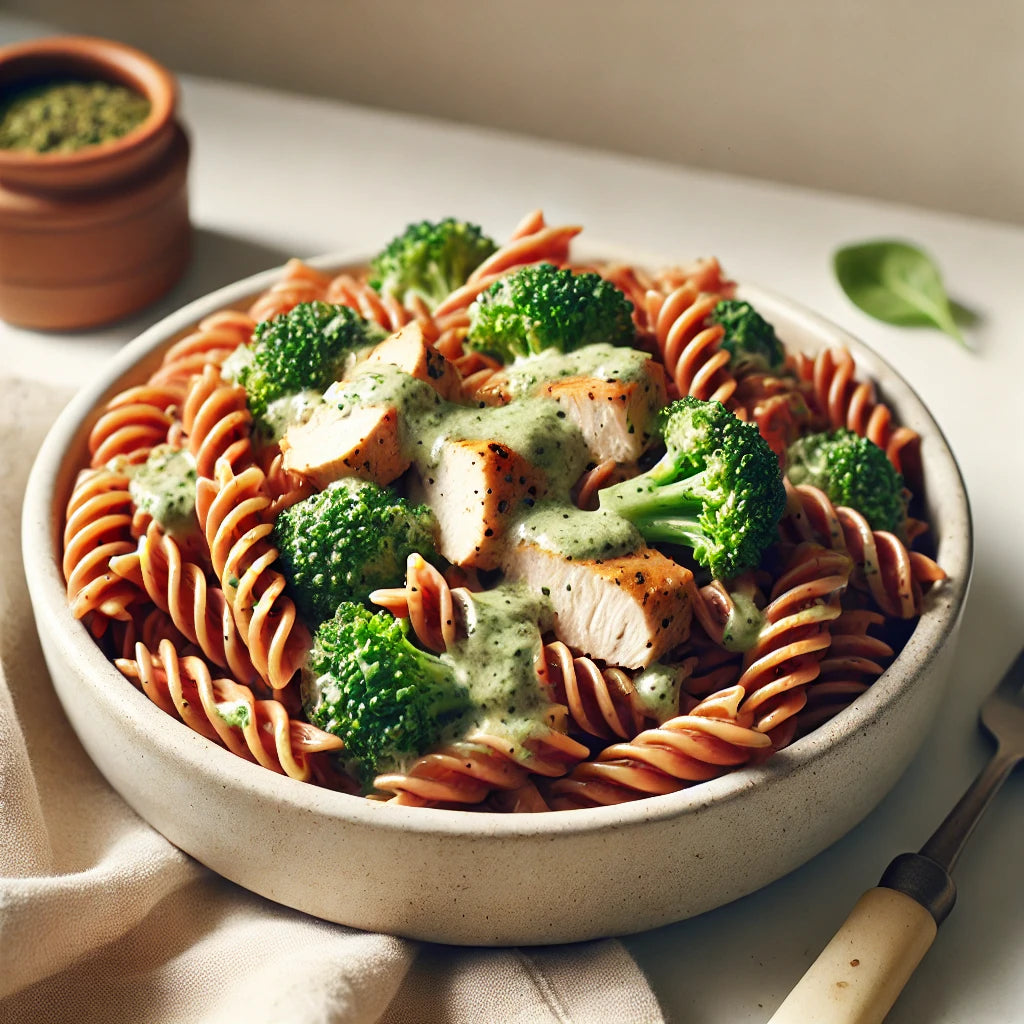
362	442
627	611
410	351
615	412
616	417
476	489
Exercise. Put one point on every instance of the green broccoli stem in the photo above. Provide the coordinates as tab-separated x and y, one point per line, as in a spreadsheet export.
684	530
657	491
664	512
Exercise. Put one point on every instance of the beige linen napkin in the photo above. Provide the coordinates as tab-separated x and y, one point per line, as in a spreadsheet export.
102	920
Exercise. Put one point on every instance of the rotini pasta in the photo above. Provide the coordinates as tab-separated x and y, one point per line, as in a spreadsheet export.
785	657
894	577
689	345
134	422
98	527
226	712
231	510
210	343
205	617
714	737
299	283
853	661
200	612
216	422
468	771
845	401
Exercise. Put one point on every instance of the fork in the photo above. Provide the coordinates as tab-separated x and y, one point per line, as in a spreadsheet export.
859	974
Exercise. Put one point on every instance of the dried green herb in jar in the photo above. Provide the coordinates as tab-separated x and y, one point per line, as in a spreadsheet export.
63	116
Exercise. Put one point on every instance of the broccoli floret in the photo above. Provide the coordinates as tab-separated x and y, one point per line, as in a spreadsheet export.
365	682
750	340
717	489
345	541
540	307
430	260
306	348
852	471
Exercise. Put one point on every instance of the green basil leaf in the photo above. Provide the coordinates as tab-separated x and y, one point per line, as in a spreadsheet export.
897	283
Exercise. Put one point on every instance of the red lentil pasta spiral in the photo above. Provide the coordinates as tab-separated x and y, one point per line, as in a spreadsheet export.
134	422
98	527
199	611
216	337
206	627
602	701
226	712
845	401
148	625
216	422
714	737
384	310
894	577
298	283
690	346
232	513
786	655
467	771
853	661
705	273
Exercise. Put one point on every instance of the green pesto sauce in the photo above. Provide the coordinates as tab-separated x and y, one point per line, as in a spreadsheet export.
743	625
232	367
535	428
287	411
657	690
561	527
64	116
234	712
603	361
164	486
497	663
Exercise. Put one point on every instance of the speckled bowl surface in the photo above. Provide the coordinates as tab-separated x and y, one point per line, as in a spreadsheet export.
484	878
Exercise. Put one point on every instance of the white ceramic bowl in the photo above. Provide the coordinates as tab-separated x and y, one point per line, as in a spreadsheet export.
491	879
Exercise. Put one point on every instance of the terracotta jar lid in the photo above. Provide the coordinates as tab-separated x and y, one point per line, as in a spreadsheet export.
89	236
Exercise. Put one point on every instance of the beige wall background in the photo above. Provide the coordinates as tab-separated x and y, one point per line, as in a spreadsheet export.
900	99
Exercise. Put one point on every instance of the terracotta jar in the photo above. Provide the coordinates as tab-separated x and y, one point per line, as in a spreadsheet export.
89	236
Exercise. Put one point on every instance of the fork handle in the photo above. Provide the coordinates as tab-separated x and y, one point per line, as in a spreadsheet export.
859	974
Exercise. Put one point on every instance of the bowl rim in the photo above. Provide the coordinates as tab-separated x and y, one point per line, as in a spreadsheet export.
106	58
42	526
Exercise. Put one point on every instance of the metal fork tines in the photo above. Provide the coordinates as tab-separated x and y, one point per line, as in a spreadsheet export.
925	876
1002	714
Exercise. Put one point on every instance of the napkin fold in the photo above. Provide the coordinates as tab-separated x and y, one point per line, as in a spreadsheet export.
103	920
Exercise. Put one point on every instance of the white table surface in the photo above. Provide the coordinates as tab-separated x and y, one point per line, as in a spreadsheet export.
276	175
